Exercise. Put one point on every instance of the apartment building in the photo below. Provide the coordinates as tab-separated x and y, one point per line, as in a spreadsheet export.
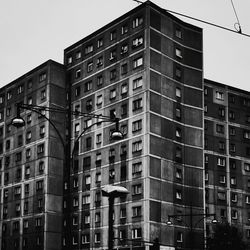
145	67
227	154
31	162
184	154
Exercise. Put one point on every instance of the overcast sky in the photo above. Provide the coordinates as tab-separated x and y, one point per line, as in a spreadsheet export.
33	31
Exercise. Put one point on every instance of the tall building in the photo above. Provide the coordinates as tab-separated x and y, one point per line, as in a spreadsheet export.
147	68
184	157
227	154
31	162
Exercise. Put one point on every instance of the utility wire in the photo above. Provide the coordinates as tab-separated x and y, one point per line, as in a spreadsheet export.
238	29
238	22
212	24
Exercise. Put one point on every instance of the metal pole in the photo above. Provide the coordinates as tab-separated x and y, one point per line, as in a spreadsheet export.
111	223
191	228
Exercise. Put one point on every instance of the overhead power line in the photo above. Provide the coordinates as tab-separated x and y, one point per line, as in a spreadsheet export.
209	23
237	29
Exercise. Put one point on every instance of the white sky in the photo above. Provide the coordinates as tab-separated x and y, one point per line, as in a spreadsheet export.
33	31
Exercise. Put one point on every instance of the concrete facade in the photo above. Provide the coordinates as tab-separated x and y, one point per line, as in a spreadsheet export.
185	150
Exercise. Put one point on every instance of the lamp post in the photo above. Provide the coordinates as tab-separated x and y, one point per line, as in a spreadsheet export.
112	192
19	122
191	226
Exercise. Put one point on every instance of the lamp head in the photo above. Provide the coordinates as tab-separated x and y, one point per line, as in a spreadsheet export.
116	135
115	191
18	122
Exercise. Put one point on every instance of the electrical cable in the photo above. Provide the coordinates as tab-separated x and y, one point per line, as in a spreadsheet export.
237	29
209	23
238	21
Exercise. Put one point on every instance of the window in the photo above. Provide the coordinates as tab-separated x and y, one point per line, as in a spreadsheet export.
98	138
178	132
75	182
111	174
99	100
74	240
78	54
17	190
233	181
42	77
27	170
137	42
69	60
112	55
136	189
137	146
85	239
39	185
42	130
89	104
99	80
178	92
220	128
75	220
86	219
112	35
178	174
124	49
88	86
124	68
234	214
222	179
178	53
137	62
178	72
136	125
124	89
99	43
38	222
112	94
232	148
98	177
20	89
219	95
99	61
178	194
136	169
231	115
178	33
124	29
19	156
221	161
41	166
178	113
179	237
86	199
97	237
246	134
137	104
113	74
75	202
89	49
78	73
136	233
90	66
247	167
29	101
88	123
232	131
247	199
137	22
221	112
137	83
136	211
178	153
221	196
9	95
40	148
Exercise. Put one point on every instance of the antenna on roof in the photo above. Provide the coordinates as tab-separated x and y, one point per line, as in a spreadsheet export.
236	25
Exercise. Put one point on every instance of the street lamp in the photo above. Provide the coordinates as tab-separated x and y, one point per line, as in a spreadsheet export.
112	192
191	226
19	122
